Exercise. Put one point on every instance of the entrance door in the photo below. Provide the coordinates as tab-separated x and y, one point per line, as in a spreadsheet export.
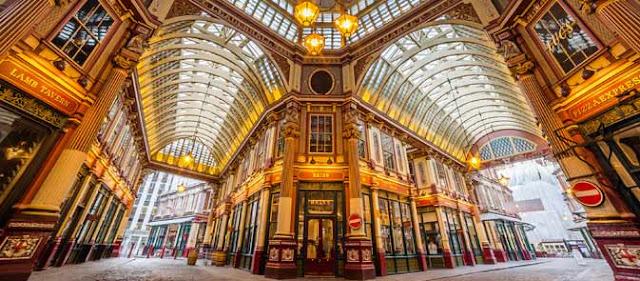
320	245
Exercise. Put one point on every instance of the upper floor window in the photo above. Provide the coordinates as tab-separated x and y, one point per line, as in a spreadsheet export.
362	151
387	152
321	136
280	140
84	31
564	38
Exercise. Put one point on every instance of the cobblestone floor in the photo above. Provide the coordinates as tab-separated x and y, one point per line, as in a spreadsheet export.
121	269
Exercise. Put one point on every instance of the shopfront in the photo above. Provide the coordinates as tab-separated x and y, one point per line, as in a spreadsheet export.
28	130
320	230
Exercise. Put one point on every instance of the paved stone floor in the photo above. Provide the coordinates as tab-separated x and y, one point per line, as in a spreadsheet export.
122	269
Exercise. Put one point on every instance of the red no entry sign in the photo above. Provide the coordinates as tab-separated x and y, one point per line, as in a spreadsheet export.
355	221
587	194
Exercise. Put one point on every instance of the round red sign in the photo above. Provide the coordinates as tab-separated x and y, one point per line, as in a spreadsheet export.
587	193
355	221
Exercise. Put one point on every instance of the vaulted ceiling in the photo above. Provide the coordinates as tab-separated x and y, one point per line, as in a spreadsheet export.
203	86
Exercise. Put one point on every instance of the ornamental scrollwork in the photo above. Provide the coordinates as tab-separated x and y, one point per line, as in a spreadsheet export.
32	106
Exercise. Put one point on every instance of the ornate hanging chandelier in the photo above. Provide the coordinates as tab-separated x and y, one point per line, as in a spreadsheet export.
346	24
306	12
314	43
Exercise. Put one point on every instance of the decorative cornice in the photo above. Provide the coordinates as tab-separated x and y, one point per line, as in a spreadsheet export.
32	106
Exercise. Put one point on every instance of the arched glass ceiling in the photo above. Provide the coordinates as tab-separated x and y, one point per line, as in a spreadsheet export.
203	87
446	83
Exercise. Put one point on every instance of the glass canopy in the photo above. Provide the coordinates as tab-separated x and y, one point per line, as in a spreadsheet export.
446	83
203	87
372	14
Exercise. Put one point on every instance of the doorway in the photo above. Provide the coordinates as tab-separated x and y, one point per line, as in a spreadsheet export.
320	229
320	244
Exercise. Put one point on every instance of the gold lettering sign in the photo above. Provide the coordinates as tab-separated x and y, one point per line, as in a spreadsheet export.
320	175
565	32
37	87
603	100
320	206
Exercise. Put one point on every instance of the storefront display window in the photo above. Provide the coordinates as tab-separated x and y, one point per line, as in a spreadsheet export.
564	37
397	233
250	229
454	229
20	141
235	231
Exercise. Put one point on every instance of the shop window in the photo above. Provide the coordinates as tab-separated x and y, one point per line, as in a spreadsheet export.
473	235
250	229
85	31
376	146
397	233
454	229
387	152
20	141
367	215
235	231
321	134
273	214
565	38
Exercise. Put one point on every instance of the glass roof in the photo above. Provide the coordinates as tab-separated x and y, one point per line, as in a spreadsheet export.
372	14
203	87
446	83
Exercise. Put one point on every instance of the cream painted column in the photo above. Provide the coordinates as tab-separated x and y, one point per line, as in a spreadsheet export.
377	230
264	216
19	19
622	17
291	132
62	175
86	182
223	229
243	218
416	225
87	209
351	134
103	215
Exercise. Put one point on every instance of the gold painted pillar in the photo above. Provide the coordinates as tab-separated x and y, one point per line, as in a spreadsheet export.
622	17
358	247
19	19
444	239
281	261
381	266
467	252
240	239
262	228
220	256
62	176
422	256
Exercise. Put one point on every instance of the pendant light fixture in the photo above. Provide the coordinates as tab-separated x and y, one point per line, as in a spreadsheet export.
187	159
306	12
347	24
314	43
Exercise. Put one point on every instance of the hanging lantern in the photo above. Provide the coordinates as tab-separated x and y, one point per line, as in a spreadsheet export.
503	180
314	43
474	162
306	12
346	24
181	187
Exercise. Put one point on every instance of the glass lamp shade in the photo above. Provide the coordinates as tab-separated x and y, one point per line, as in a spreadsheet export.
474	162
314	43
346	24
181	187
306	12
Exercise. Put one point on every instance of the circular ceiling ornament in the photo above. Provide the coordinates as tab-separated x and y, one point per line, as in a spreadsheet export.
321	82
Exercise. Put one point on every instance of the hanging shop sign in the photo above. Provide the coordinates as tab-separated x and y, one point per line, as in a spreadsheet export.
37	86
587	194
355	221
604	99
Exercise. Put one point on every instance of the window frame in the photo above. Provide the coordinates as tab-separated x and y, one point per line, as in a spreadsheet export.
333	133
93	57
551	60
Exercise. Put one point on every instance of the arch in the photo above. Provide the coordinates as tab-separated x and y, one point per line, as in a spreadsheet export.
438	79
204	85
